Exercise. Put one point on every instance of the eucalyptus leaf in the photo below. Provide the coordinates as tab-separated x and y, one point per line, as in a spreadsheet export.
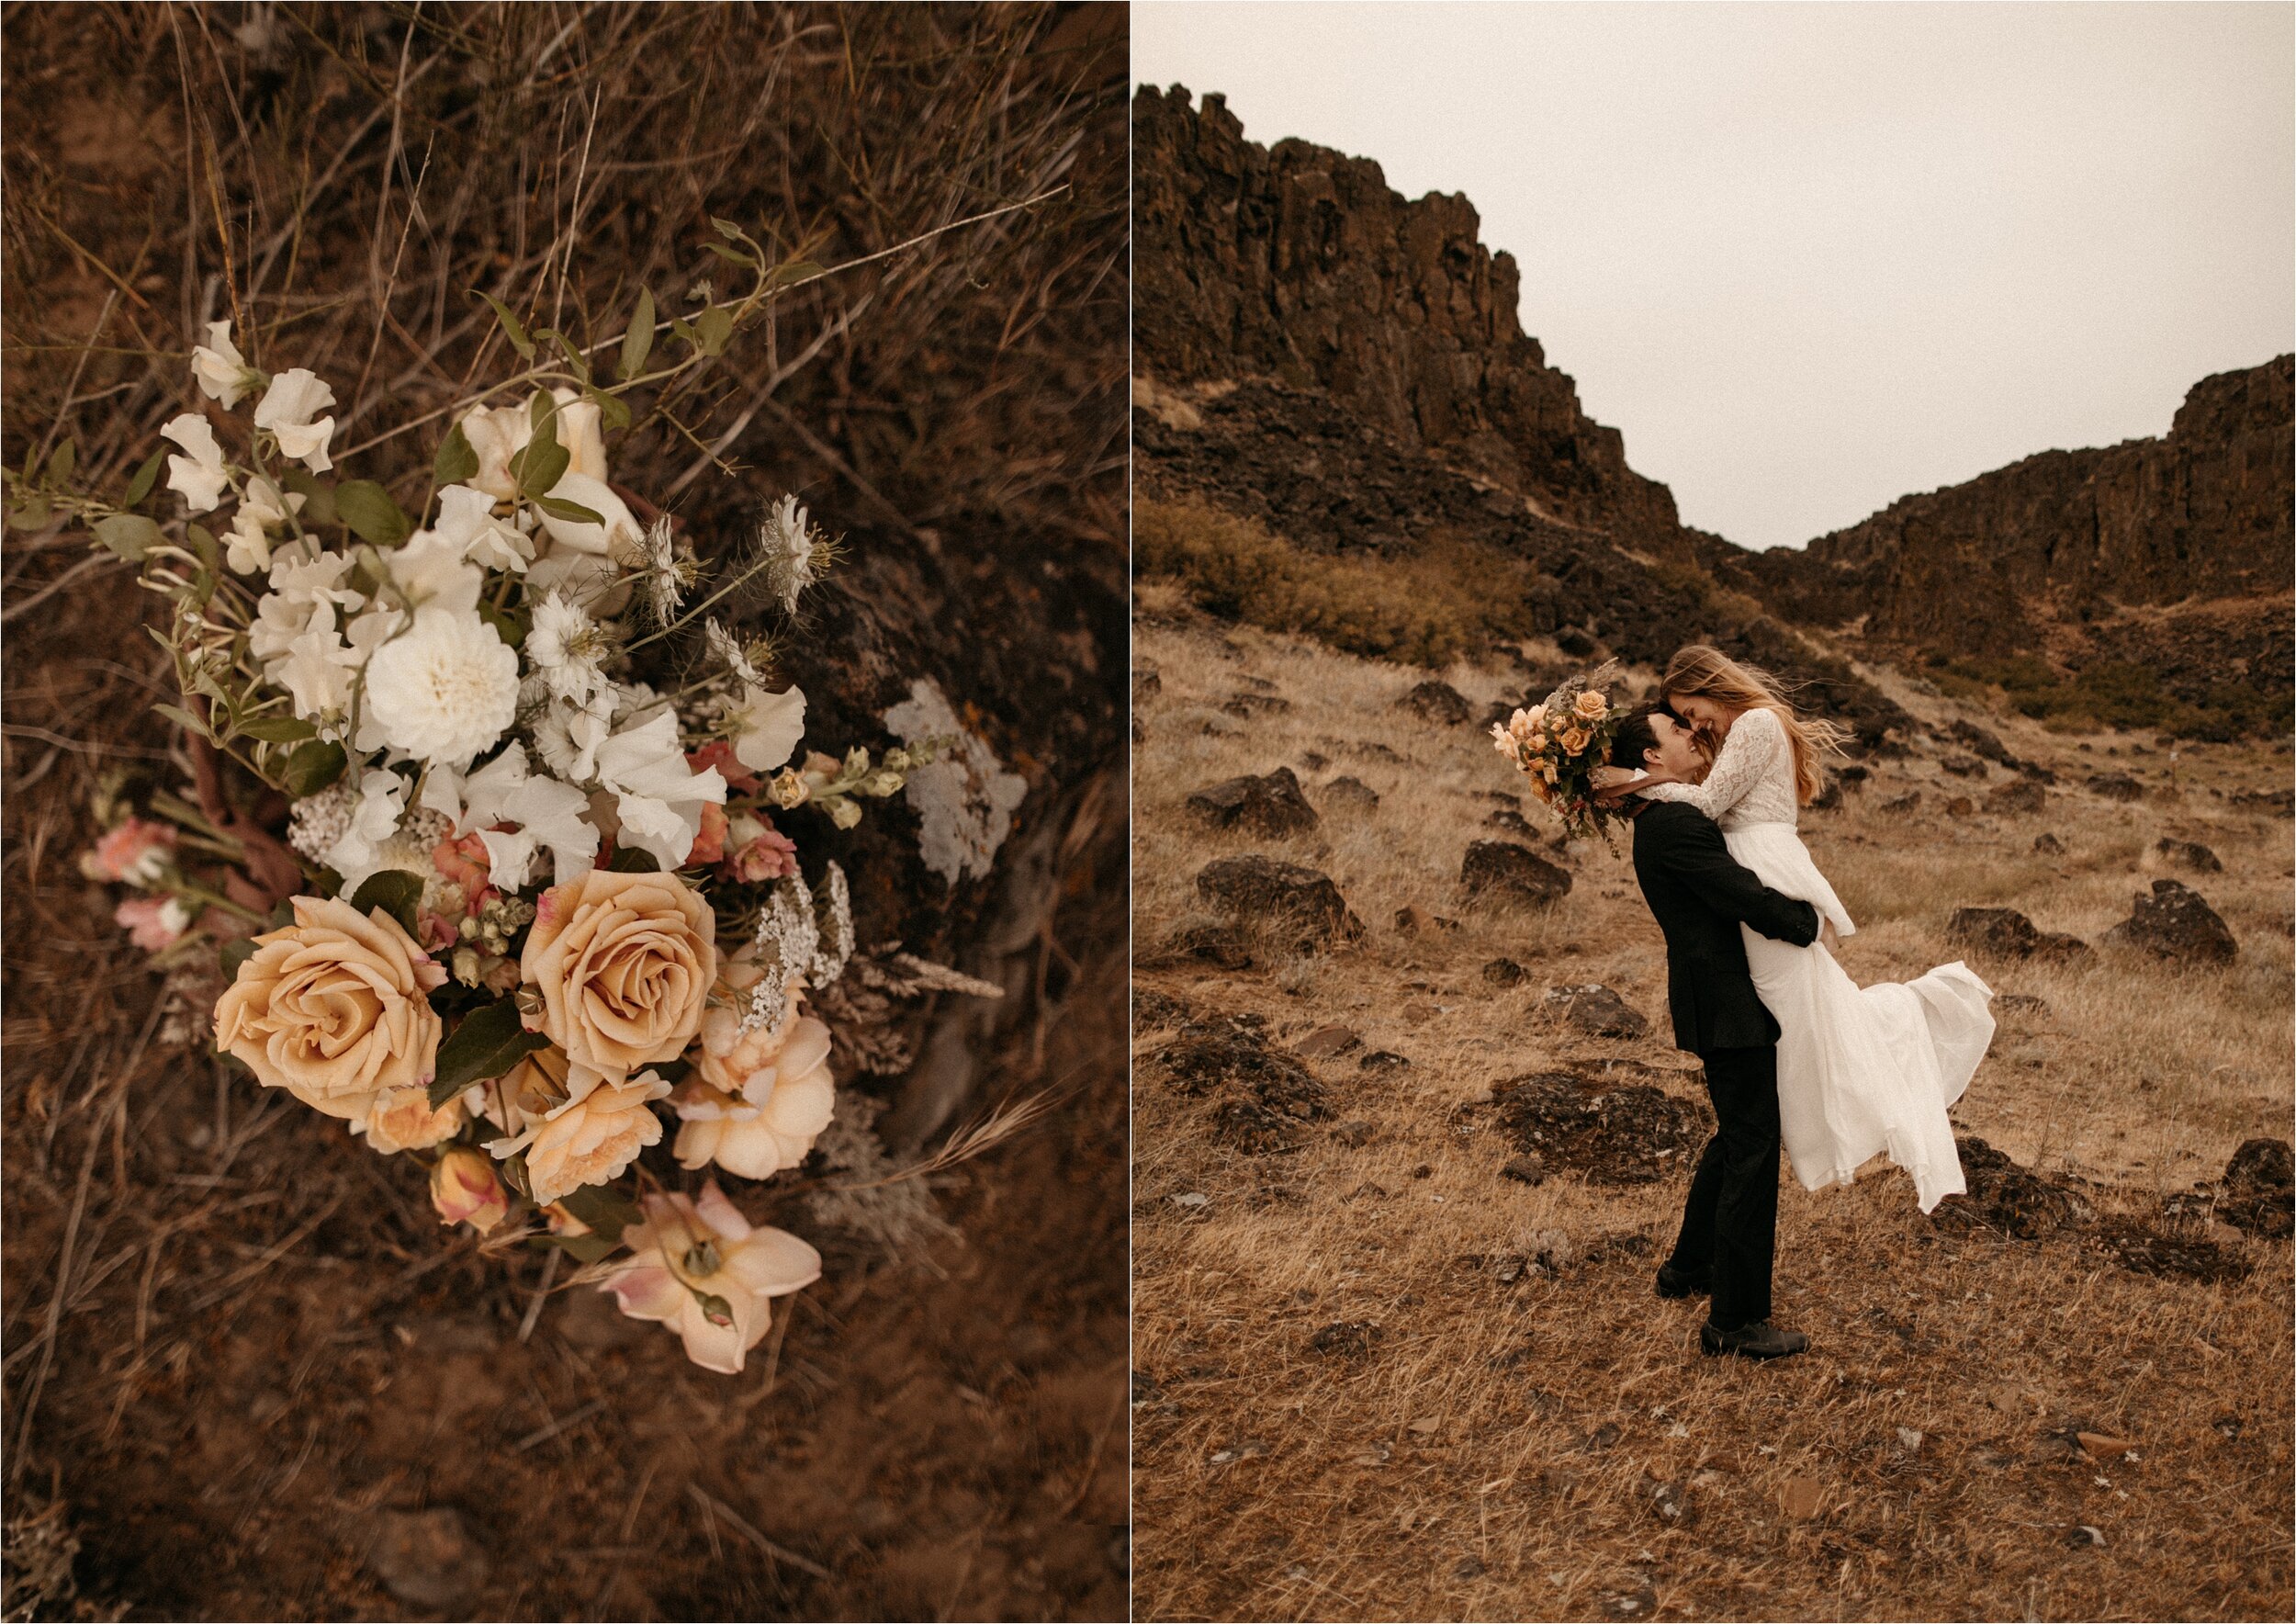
457	459
236	951
183	720
129	534
638	342
511	329
312	765
60	461
32	514
396	892
368	509
712	328
543	461
577	363
611	411
725	228
203	543
278	729
746	261
558	507
681	329
487	1042
146	476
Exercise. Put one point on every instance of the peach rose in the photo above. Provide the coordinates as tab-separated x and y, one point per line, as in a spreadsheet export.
700	1267
331	1009
1576	739
623	963
756	1100
1591	705
464	1189
401	1118
591	1135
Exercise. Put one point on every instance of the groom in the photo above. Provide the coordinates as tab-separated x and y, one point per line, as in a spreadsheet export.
1700	895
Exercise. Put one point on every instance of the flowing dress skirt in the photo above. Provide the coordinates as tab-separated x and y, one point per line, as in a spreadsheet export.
1862	1071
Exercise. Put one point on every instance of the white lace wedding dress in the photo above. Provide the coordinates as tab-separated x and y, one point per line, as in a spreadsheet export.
1861	1070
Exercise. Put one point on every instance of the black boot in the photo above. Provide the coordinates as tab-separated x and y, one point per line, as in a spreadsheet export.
1759	1340
1678	1282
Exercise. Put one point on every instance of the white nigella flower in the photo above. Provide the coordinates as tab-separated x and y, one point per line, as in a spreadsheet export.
290	409
569	737
220	371
444	689
466	517
769	727
549	814
198	478
735	657
785	540
664	571
263	508
658	797
564	647
358	851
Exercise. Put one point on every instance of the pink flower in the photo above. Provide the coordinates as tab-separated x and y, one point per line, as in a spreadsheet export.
152	922
763	853
136	852
709	846
703	1270
464	1189
720	753
464	863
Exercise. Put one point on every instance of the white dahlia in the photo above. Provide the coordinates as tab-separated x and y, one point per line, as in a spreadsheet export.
445	689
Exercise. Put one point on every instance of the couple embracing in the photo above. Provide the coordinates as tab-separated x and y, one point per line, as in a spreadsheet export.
1713	775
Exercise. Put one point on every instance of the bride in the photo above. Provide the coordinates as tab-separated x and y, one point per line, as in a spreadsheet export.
1861	1070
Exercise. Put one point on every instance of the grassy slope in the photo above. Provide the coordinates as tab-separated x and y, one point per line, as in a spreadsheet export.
1271	1481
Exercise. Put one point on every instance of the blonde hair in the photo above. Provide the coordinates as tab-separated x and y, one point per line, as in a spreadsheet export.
1702	671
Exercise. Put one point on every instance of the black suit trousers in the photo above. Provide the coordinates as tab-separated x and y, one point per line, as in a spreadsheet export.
1730	1220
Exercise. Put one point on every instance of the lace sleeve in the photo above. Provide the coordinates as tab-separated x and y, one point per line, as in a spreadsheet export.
1746	756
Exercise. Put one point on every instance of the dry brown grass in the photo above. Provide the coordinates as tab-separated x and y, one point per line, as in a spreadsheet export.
1275	1482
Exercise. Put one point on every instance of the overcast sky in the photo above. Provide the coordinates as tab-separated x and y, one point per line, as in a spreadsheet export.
1810	258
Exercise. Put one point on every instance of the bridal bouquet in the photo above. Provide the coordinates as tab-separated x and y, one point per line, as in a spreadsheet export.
1559	742
500	903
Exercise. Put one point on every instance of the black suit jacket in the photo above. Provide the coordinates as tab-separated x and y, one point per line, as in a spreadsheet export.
1700	895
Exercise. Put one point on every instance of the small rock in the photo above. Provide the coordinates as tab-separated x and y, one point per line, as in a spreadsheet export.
2020	796
1346	1338
1509	821
1256	887
1501	871
1255	704
1504	973
1467	1567
1961	766
428	1559
1146	680
1382	1060
1411	919
1348	793
1908	802
2009	934
1632	1603
1437	702
2105	1446
1315	760
2280	803
1216	944
2188	854
1354	1135
1194	1198
1961	806
1594	1010
1326	1041
2176	923
1272	805
1424	1170
2048	845
1672	1502
2116	786
2259	1190
2085	1535
1525	1169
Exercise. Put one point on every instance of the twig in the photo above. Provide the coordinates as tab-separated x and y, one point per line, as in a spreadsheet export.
543	1435
542	1295
718	1507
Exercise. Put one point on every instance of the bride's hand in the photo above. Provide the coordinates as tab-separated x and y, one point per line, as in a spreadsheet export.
1615	781
1827	937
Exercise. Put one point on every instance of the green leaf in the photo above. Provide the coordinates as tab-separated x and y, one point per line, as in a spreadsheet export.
796	270
129	534
32	514
203	543
681	329
319	497
371	514
746	261
456	459
712	329
146	476
278	729
612	412
488	1043
638	342
60	462
577	363
508	625
543	461
633	860
511	329
558	507
396	892
313	765
726	229
603	1208
237	952
183	720
583	1248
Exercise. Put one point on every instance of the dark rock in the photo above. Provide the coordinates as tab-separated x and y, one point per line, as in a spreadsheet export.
2259	1190
1350	794
1596	1012
1326	1041
2048	845
2007	1198
1383	1060
1615	1134
2280	803
1503	872
2142	1249
1509	821
1829	798
1146	681
1961	766
2189	854
2009	934
1268	806
1202	1064
2018	796
428	1559
1504	973
1350	1339
1982	743
1961	806
1355	1136
2174	923
1853	778
1248	706
1525	1169
1152	1009
1673	1506
1437	702
1315	760
1259	887
1373	750
1253	1127
2116	786
1215	945
1908	802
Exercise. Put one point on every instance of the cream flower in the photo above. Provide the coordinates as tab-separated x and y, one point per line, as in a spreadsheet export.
358	851
564	646
1591	705
549	814
497	434
770	724
200	478
220	371
581	428
445	690
624	964
591	1136
332	1008
658	796
290	409
619	536
785	544
464	1189
756	1100
401	1118
263	508
699	1267
465	519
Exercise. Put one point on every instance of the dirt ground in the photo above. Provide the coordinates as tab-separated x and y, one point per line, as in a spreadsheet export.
1386	1367
247	1373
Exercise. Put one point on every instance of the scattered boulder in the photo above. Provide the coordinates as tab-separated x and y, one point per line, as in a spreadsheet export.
1852	779
1526	1168
2143	1249
1617	1135
2004	932
1594	1010
2008	1199
1213	943
1507	820
1908	802
2188	854
1267	1092
1961	766
1961	806
2116	786
1326	1041
1383	1060
1350	793
1349	1339
1314	761
428	1559
2019	795
1152	1008
1259	887
2280	803
2174	923
1982	743
1272	805
1829	798
1504	973
2048	845
1503	872
1437	702
2258	1192
1373	750
1248	706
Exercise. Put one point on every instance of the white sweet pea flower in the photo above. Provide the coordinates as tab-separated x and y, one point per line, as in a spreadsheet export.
582	431
200	478
770	726
358	851
497	434
220	371
658	797
290	409
430	569
444	689
315	669
263	508
549	814
466	517
620	536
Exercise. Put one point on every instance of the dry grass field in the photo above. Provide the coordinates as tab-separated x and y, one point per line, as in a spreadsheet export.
1374	1378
